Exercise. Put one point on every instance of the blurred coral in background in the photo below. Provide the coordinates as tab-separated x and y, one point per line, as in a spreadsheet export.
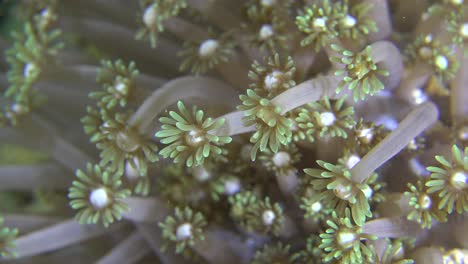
221	131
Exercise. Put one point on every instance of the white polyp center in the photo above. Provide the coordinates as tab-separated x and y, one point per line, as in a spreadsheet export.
201	174
368	192
319	23
425	52
456	256
121	87
441	62
127	141
46	15
150	16
268	3
273	80
208	48
232	186
457	2
418	96
268	217
462	133
428	38
344	192
327	118
389	122
464	30
352	161
194	137
132	173
266	31
349	21
99	198
316	207
281	159
29	69
18	108
459	180
346	238
366	135
184	231
425	202
417	167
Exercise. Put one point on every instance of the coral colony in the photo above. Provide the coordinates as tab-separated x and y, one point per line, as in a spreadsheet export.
247	131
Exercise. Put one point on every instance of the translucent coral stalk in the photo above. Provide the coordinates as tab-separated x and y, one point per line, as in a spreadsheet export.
459	92
306	92
58	236
145	210
388	56
177	89
27	222
418	120
391	227
216	13
380	13
30	177
104	34
130	250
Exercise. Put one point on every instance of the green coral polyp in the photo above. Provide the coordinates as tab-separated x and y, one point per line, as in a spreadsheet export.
450	181
183	229
272	128
188	138
7	240
119	143
343	241
361	73
98	196
336	190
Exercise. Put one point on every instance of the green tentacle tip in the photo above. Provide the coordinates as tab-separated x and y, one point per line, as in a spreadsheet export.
7	241
273	253
98	196
188	136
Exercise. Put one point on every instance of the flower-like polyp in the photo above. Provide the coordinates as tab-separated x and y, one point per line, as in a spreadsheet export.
202	56
361	73
255	214
122	143
344	241
153	15
274	77
183	229
327	118
424	206
337	191
98	196
117	81
188	138
282	162
319	24
450	181
272	128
